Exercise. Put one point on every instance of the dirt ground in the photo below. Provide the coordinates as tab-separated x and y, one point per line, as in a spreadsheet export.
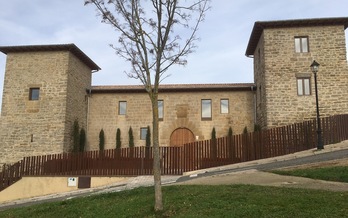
255	177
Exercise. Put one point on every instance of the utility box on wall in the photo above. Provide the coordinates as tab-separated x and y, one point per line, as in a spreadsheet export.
84	182
72	181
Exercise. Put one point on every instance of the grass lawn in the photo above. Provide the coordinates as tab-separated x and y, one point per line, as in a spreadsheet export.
336	173
198	201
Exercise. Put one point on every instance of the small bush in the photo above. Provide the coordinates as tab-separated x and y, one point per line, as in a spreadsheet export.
230	133
131	137
101	140
118	138
148	137
76	136
245	130
82	140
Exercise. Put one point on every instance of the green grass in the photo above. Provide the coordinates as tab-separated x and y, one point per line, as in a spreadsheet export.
336	173
198	201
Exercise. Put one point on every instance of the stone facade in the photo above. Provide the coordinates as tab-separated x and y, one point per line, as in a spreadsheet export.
277	66
182	109
43	126
62	74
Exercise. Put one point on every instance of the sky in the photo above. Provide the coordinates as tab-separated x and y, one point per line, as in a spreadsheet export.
219	58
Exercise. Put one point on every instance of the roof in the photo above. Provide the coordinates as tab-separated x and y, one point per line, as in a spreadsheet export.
259	26
175	88
58	47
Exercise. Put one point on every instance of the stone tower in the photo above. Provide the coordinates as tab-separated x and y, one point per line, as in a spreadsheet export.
283	52
45	90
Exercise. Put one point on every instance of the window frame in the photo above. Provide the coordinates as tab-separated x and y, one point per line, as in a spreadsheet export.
160	112
202	109
228	106
299	47
141	133
120	112
302	84
32	95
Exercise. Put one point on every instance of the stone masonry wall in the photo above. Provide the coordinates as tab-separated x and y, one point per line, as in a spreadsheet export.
283	65
79	81
180	110
39	127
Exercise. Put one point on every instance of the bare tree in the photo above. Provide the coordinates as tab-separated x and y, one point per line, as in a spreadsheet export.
153	36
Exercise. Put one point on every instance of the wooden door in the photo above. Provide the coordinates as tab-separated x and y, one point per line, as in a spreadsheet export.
181	136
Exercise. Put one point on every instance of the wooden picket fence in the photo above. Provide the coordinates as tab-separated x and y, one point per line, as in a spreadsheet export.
177	160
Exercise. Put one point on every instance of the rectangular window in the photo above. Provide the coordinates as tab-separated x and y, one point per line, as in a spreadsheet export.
122	108
34	94
301	45
303	86
160	110
206	109
224	106
143	132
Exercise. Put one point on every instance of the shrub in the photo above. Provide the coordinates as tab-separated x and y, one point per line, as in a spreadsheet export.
76	136
131	138
82	140
230	133
213	133
257	128
148	137
101	140
118	138
245	130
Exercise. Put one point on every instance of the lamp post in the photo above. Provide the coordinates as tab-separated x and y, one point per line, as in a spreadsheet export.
315	67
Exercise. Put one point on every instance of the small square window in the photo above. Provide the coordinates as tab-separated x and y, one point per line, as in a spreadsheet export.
224	106
122	109
143	133
34	94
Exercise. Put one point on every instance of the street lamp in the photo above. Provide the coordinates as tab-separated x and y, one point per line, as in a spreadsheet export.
315	67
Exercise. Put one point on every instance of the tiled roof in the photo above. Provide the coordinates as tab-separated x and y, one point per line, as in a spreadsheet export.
259	26
176	88
58	47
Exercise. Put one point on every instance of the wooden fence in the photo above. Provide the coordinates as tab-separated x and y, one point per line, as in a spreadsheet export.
176	160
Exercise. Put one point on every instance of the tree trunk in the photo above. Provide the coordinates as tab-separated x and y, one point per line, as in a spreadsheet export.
156	156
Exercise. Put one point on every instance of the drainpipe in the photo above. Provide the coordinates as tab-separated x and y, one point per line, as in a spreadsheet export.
89	93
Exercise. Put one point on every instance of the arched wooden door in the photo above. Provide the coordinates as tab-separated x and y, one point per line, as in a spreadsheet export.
181	136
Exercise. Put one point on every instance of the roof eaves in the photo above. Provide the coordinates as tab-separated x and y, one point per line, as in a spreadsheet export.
54	47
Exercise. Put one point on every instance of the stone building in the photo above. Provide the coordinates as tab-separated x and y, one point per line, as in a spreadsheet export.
187	112
48	87
283	52
44	92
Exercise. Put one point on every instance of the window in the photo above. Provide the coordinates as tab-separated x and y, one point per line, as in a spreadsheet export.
206	109
160	110
143	132
303	86
122	109
301	44
34	94
224	106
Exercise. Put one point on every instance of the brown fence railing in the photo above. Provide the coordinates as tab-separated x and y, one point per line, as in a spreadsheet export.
176	160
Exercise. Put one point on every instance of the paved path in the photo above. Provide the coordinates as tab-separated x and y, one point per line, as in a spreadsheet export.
242	173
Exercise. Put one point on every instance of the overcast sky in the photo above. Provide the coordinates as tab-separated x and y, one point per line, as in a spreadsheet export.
219	58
